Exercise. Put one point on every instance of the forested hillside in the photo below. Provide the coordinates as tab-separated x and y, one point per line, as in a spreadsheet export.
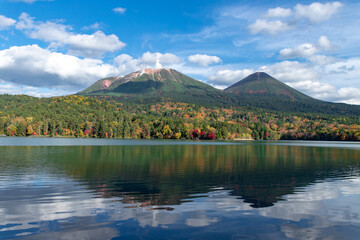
79	116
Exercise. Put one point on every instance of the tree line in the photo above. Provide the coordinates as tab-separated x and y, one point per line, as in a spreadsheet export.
79	116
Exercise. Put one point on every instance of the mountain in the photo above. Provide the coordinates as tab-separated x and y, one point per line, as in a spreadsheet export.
155	84
148	82
264	91
261	83
258	90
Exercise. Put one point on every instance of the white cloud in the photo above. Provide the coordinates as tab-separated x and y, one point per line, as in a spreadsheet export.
201	220
228	77
126	63
317	12
268	27
349	95
325	44
317	203
278	12
123	58
40	68
93	45
316	88
321	59
344	66
92	26
159	60
34	66
303	50
204	60
307	50
58	35
119	10
343	73
6	22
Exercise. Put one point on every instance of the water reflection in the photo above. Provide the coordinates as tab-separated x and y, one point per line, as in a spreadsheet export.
212	191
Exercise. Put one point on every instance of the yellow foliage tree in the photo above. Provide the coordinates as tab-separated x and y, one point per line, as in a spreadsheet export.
166	130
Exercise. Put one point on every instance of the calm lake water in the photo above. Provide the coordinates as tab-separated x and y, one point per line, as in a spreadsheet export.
54	188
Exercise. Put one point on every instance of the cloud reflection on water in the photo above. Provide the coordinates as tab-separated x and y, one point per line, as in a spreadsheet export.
310	213
233	191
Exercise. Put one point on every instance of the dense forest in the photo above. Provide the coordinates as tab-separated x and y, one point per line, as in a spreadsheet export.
80	116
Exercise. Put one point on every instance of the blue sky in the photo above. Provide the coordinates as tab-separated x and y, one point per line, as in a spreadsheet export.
57	47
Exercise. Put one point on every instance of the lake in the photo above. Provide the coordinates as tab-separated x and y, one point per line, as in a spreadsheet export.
63	188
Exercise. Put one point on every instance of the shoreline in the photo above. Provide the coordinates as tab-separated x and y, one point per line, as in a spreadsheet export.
184	139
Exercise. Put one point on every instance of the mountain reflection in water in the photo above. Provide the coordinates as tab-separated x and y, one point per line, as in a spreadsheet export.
201	191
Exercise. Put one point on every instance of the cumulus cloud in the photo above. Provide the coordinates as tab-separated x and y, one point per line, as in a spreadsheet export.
317	12
318	89
302	50
321	59
313	203
314	13
325	44
344	73
278	12
39	68
119	10
34	66
6	22
349	95
159	60
201	220
225	78
307	50
268	27
126	63
204	60
346	67
58	35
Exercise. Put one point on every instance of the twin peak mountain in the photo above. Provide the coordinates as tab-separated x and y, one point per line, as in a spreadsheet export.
256	91
169	83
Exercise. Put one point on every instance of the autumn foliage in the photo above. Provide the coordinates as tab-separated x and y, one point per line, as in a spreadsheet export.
78	116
